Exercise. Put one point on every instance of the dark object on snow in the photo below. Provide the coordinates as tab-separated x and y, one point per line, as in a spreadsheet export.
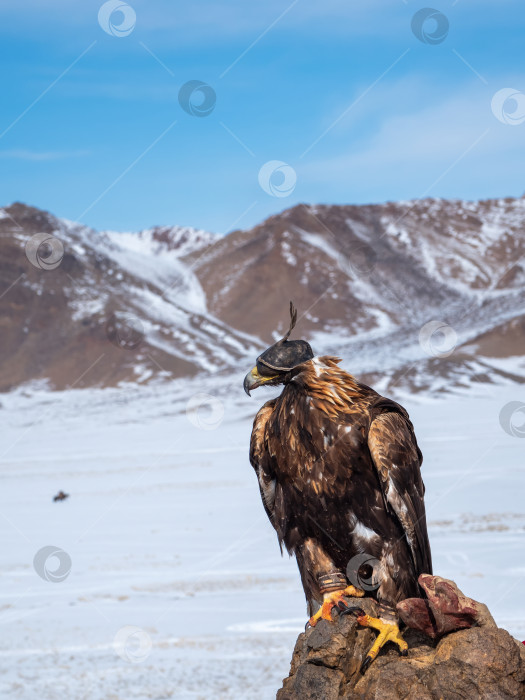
481	663
61	496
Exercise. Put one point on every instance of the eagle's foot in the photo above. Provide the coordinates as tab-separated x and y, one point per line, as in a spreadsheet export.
332	600
388	632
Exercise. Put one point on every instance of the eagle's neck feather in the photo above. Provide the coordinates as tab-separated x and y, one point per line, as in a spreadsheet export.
329	387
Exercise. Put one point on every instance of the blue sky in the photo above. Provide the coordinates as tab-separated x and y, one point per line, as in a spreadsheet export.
345	93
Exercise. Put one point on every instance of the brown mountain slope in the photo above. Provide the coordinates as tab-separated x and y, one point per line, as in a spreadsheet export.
365	267
383	286
104	314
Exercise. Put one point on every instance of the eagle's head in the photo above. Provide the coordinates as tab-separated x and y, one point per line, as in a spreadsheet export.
274	365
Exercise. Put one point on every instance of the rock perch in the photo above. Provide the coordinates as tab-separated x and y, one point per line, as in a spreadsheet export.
477	661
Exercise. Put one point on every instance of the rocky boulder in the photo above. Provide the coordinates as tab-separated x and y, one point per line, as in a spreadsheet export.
480	662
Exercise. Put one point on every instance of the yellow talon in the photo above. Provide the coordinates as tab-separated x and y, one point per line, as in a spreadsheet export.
331	600
388	632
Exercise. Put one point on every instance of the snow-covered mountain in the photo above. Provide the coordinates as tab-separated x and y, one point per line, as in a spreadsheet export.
426	295
117	306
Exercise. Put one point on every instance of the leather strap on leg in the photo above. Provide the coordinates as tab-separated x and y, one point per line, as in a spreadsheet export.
333	581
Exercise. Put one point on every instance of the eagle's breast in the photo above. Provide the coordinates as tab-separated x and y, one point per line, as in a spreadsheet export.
316	448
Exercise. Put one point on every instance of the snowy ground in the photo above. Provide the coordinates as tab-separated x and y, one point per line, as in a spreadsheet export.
165	532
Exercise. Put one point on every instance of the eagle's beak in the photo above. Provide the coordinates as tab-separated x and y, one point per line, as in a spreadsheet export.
253	379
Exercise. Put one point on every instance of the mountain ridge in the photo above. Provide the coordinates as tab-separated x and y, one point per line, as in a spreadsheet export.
171	301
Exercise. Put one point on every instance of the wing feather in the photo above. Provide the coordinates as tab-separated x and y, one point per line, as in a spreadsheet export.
397	458
260	459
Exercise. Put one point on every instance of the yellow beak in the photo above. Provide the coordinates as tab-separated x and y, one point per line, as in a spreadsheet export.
253	379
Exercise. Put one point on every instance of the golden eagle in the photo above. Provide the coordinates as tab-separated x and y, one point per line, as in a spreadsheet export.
338	467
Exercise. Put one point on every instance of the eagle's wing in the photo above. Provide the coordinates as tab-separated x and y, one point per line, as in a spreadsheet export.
397	458
260	459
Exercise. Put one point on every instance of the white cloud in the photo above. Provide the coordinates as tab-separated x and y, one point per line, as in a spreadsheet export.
213	23
218	23
426	140
23	154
